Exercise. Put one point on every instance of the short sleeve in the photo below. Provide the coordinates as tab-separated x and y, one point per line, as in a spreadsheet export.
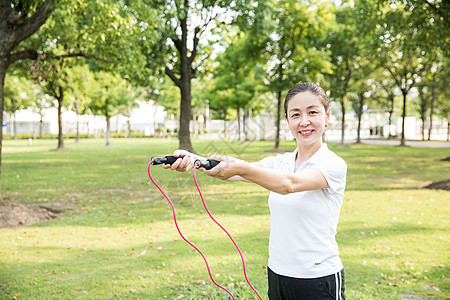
335	172
267	162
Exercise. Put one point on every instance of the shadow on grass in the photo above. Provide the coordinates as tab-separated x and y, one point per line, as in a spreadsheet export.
117	207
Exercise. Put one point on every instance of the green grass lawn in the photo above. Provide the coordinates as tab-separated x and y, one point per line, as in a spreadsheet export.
117	239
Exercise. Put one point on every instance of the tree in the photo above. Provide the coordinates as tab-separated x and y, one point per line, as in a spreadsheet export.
100	32
111	93
39	105
362	84
361	92
134	95
443	109
386	90
81	79
350	43
219	103
91	29
177	51
429	83
442	92
293	47
54	80
423	107
237	78
403	67
200	103
409	31
18	21
19	94
162	91
172	51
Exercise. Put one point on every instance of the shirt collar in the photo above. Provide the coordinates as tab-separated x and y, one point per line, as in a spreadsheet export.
316	157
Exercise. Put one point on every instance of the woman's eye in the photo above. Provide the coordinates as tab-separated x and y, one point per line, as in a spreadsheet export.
313	112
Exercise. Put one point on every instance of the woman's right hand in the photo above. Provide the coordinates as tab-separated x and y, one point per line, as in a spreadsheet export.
182	164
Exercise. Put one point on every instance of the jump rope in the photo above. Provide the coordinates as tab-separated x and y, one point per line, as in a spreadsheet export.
207	164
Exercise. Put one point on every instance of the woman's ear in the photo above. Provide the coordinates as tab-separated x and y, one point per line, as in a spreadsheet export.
327	117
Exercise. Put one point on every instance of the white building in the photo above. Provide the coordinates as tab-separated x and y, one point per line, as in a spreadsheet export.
146	117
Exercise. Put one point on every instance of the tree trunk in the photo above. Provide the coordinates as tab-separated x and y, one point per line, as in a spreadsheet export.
3	67
391	112
155	125
433	102
448	129
108	124
278	121
403	140
184	134
13	128
77	139
108	129
129	128
423	112
60	127
343	121
184	83
14	125
41	125
77	109
344	92
246	122
225	127
239	123
194	126
360	112
423	119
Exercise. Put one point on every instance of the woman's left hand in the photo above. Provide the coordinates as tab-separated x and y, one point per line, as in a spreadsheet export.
228	167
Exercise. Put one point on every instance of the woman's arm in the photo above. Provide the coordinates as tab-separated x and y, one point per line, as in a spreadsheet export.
281	182
242	179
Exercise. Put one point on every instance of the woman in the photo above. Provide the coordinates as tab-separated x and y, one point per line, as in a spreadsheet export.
306	192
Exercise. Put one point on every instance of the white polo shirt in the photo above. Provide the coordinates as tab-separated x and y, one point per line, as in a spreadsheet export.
303	225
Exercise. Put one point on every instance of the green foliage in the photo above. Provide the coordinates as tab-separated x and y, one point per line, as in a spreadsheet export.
164	92
110	92
294	44
100	30
291	40
237	80
234	46
19	93
82	83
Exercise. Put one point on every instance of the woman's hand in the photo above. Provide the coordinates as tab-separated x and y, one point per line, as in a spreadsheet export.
182	164
228	167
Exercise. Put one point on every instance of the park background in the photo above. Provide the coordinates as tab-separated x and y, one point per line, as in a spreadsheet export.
193	64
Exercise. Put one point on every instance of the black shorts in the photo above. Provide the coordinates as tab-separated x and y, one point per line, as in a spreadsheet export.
287	288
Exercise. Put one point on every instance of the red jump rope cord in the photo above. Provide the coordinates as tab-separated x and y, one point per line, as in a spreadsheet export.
237	247
179	231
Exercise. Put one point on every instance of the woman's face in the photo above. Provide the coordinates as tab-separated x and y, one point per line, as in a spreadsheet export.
307	118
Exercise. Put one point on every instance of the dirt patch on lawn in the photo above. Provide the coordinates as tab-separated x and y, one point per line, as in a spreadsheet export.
439	185
15	214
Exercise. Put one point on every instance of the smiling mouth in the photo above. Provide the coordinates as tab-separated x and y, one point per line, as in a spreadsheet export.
306	132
